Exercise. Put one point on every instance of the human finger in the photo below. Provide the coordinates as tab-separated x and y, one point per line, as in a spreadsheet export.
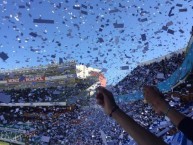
104	92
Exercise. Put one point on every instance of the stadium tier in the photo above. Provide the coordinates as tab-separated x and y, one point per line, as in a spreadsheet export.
39	77
51	83
150	73
46	76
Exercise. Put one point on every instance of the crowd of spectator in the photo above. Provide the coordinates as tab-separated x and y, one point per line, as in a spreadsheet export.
149	74
79	124
51	94
88	124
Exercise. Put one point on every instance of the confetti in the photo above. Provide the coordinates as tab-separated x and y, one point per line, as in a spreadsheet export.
84	12
124	67
143	37
33	34
43	21
100	40
165	28
84	6
170	12
181	31
120	25
22	7
170	31
179	5
114	11
183	10
169	23
143	20
3	56
76	7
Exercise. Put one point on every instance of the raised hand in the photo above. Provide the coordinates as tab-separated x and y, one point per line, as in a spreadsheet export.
105	99
155	98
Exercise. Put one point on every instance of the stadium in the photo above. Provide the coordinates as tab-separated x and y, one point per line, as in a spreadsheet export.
122	46
57	80
64	99
66	76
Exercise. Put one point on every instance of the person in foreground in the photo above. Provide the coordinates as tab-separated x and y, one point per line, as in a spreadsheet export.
155	98
141	135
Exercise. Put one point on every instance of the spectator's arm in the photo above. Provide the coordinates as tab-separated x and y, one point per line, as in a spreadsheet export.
155	98
137	132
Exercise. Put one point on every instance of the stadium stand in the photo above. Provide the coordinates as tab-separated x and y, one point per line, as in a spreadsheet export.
52	83
76	123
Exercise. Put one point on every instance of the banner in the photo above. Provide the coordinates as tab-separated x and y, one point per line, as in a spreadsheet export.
13	80
35	79
27	79
181	73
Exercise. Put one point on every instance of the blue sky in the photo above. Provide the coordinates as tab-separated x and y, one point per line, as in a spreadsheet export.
75	35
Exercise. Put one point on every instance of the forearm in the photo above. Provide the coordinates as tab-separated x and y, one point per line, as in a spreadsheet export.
174	116
183	123
139	134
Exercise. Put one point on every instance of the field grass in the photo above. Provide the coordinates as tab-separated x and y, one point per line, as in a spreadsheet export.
3	143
